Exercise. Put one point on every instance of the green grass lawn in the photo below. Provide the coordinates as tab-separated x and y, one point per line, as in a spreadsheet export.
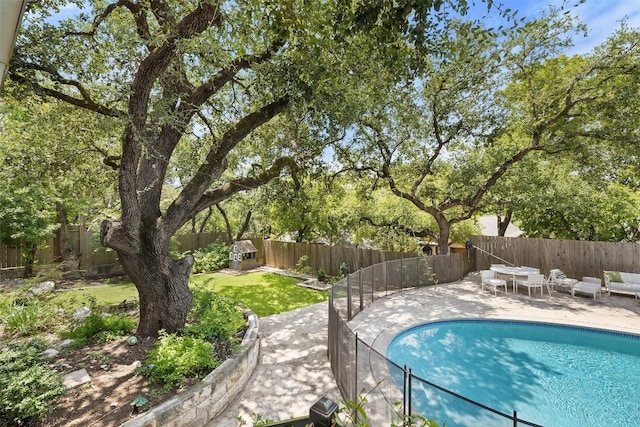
264	293
103	295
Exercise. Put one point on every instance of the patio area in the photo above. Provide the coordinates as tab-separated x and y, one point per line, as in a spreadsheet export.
386	317
293	371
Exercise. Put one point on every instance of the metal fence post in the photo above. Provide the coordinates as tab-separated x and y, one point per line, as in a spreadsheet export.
355	377
404	391
410	385
349	318
361	289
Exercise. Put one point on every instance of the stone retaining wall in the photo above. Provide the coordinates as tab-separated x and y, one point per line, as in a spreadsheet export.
202	402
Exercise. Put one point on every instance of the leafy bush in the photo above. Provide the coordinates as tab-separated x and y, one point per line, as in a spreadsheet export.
301	265
97	327
212	258
176	358
215	317
28	388
322	276
27	317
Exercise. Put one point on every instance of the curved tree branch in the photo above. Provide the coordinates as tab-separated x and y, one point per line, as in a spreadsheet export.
230	188
215	163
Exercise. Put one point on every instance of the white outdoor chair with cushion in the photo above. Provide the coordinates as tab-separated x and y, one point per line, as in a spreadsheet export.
489	278
557	277
534	281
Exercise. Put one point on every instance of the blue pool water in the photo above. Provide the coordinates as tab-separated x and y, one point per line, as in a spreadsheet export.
552	375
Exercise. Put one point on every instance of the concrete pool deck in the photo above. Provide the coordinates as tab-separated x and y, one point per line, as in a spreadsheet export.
386	317
293	370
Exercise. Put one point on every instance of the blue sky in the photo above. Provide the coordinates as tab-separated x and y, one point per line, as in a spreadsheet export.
602	17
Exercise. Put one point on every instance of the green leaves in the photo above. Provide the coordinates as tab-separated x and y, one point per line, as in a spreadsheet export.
25	216
176	358
28	389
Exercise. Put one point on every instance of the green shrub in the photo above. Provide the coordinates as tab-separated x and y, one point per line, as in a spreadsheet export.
322	276
97	327
176	358
301	265
27	317
212	258
28	388
215	317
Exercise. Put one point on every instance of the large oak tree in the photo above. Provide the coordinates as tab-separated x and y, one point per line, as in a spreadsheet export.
217	71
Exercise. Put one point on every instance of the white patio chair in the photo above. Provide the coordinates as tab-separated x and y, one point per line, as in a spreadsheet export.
488	278
534	281
557	277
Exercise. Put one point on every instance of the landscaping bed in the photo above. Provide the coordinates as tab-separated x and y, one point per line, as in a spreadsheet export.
113	364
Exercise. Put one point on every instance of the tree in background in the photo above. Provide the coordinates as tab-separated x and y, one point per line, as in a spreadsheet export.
483	104
25	221
69	153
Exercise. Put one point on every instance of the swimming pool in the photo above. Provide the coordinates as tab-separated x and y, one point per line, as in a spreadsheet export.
551	375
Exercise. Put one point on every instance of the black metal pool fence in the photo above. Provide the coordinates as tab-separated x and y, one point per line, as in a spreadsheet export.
393	391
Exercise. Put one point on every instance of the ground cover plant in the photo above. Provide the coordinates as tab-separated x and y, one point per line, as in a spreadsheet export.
121	374
28	388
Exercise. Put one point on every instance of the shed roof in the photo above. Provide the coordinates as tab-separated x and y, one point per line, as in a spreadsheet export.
244	246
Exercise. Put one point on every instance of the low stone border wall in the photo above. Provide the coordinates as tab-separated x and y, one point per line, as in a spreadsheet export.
202	402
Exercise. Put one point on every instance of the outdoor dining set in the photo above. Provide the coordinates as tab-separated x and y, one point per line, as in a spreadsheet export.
499	275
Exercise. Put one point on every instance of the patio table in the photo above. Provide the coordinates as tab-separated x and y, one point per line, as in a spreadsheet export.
564	282
517	273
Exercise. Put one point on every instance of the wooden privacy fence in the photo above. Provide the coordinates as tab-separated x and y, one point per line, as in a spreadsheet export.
94	258
575	258
286	255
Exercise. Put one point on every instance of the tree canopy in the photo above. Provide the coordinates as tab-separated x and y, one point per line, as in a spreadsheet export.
219	72
209	100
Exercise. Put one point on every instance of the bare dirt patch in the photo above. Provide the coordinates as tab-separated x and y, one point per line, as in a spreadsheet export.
106	400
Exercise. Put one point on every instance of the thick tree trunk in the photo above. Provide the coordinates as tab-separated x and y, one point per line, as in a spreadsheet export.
163	287
443	236
161	281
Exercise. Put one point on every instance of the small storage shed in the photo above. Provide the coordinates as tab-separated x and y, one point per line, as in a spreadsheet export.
243	255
